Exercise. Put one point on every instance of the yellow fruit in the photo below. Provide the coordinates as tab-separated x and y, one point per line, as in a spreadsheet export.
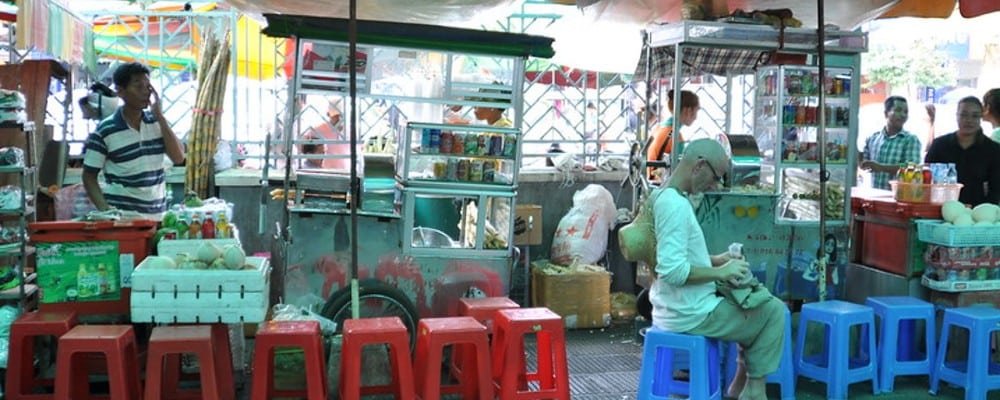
739	211
752	211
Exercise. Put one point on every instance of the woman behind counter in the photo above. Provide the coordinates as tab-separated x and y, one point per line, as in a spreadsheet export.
662	144
976	157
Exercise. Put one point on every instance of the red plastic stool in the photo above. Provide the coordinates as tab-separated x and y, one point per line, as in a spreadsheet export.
483	309
21	379
509	369
275	334
173	371
215	365
359	333
116	342
433	334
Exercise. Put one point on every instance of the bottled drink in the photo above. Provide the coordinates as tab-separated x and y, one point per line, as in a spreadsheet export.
952	175
182	225
208	227
222	228
926	175
194	229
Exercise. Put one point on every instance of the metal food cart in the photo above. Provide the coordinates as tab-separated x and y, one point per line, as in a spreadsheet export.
804	121
435	220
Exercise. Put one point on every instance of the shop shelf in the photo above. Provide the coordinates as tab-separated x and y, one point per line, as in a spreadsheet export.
960	286
14	293
18	211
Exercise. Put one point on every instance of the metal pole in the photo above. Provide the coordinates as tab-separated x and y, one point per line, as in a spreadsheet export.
824	175
352	38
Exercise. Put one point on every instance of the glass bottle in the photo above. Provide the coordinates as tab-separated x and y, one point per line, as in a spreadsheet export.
222	227
208	227
194	229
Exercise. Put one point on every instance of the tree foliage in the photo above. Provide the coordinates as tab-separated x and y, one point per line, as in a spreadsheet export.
913	65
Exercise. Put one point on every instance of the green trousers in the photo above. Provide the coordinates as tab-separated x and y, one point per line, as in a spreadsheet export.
759	331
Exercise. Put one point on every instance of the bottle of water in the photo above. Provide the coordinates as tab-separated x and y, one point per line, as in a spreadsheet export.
952	175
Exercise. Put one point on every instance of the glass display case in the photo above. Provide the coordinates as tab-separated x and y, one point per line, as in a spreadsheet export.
471	222
786	126
435	155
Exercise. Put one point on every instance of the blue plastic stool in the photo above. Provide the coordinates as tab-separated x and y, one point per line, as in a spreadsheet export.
896	355
977	374
834	366
656	378
784	376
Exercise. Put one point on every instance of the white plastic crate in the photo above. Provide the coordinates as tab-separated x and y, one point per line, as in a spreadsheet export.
196	295
172	247
936	232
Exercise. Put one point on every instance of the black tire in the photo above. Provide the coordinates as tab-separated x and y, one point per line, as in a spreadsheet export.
643	306
378	299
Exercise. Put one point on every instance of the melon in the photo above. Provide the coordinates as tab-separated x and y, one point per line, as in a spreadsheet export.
963	219
951	209
984	213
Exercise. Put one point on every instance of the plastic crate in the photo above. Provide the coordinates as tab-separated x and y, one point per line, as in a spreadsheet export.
936	232
134	239
198	296
960	286
937	193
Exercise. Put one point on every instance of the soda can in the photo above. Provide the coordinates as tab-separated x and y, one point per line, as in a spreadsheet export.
471	144
452	174
846	86
462	170
484	144
425	140
457	144
440	169
475	171
489	171
509	145
496	145
435	141
446	142
788	115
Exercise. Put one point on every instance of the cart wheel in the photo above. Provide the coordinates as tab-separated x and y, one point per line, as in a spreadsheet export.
377	299
643	306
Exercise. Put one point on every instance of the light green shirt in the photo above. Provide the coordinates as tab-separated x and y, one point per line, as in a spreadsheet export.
996	134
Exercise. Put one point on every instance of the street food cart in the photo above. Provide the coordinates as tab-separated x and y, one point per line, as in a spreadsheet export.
802	115
434	219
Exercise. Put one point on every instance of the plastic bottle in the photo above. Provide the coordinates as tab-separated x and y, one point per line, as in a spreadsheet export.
182	225
194	229
222	228
208	227
102	279
952	175
83	282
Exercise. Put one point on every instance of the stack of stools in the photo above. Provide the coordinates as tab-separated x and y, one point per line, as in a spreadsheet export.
209	343
510	372
483	309
433	335
359	333
21	379
978	375
784	376
302	334
116	342
834	365
896	353
656	375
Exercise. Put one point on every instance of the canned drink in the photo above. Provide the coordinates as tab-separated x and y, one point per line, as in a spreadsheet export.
435	141
845	86
788	115
440	169
475	171
838	87
425	140
509	145
447	140
462	171
452	174
489	171
483	141
457	144
496	145
471	144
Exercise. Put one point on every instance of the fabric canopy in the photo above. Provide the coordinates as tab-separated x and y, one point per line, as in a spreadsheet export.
941	8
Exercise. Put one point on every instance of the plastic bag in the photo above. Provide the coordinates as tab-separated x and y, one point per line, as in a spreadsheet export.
637	239
288	312
11	157
582	235
72	202
8	314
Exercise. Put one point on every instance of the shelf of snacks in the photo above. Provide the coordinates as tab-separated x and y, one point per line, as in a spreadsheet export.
17	209
799	200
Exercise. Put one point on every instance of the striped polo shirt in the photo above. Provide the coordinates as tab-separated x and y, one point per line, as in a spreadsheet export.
132	162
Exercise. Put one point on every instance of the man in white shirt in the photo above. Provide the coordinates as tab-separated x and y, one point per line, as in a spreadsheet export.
684	293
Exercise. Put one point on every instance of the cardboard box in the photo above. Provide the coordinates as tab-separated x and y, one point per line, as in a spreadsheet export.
582	299
528	224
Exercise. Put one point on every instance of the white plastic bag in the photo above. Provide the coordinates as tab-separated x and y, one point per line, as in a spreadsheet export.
582	235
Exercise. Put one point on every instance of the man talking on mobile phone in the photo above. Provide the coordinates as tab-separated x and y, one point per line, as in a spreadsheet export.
129	148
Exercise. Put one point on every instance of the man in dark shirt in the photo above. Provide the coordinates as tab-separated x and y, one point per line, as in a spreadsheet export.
976	157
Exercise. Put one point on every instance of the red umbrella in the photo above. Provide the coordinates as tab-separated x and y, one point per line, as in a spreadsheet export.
941	9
